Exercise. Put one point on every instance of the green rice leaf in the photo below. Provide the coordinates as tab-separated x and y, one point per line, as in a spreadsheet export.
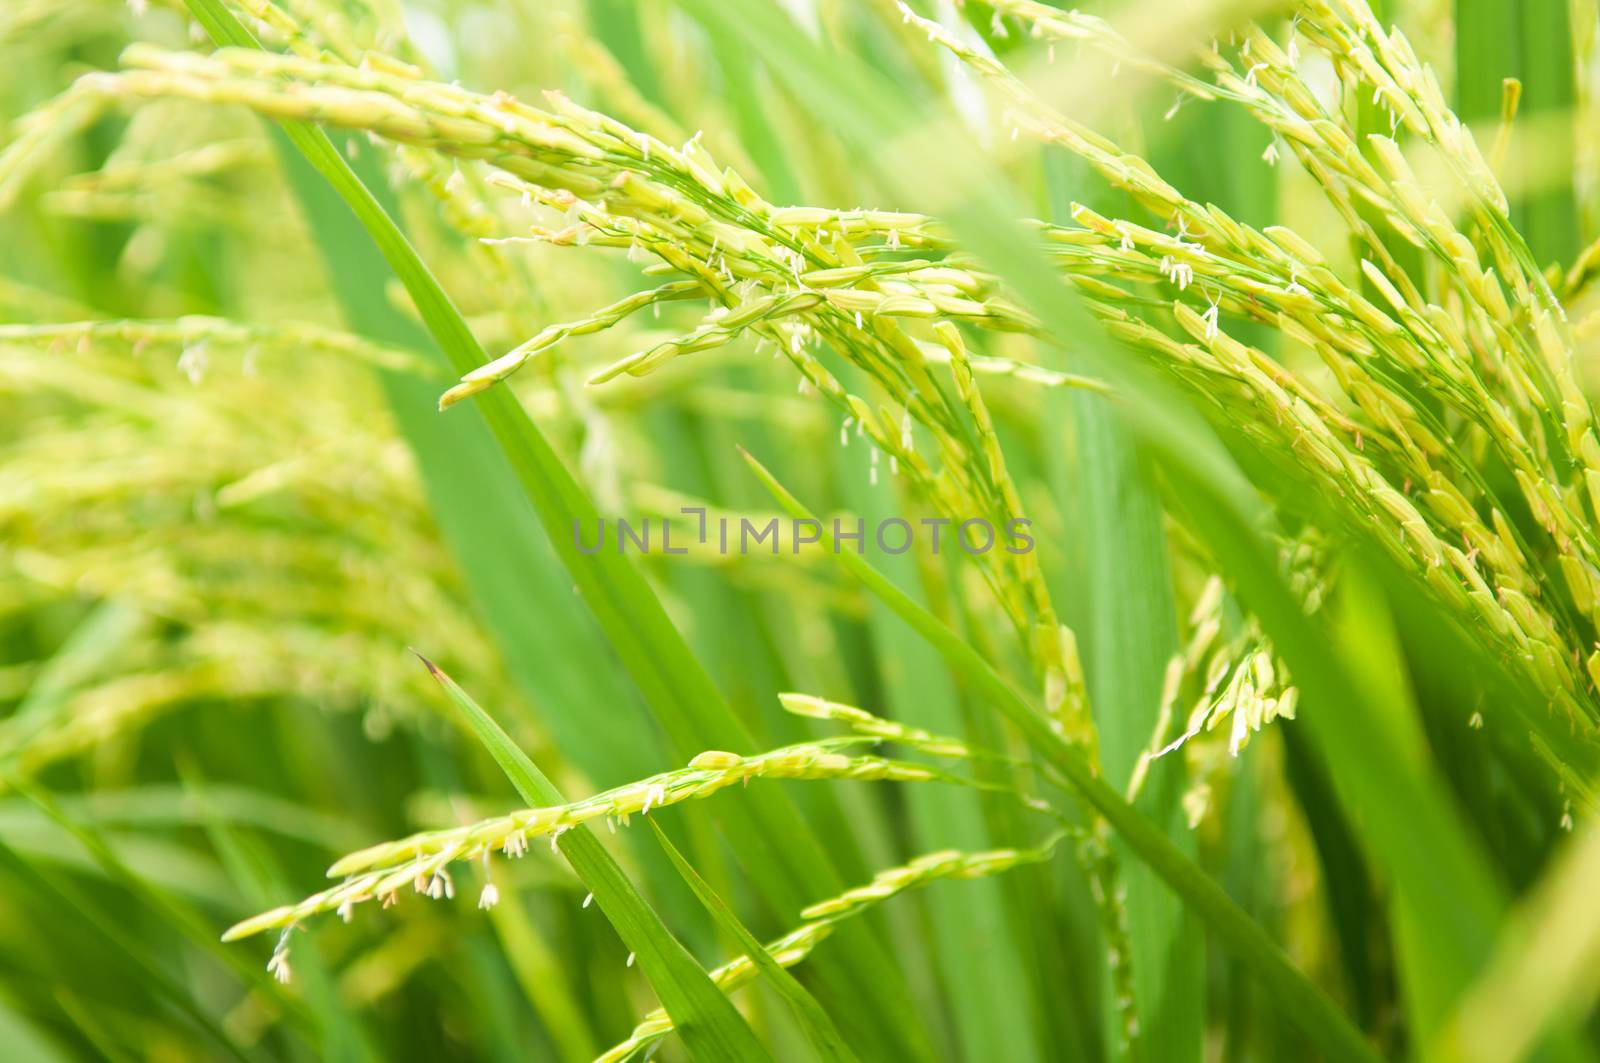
712	1027
1301	1001
778	848
819	1028
1130	633
125	951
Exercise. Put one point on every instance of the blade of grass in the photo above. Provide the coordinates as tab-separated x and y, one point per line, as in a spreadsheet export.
91	1025
514	577
971	944
544	980
1220	506
254	872
181	921
1248	875
476	498
490	962
715	1029
25	1042
814	1021
982	1009
1441	993
1352	903
108	628
1443	937
785	859
1546	965
126	950
848	817
165	806
1530	41
1299	998
1130	634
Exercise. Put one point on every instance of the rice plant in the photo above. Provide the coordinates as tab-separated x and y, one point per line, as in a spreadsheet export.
855	531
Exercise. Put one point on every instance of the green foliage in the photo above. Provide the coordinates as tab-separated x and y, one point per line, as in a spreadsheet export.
330	327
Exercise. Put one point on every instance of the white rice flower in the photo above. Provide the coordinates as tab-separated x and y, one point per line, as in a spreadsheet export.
278	966
1210	318
193	361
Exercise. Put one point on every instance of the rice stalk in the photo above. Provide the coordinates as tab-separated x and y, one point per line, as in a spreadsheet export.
380	871
793	947
1391	363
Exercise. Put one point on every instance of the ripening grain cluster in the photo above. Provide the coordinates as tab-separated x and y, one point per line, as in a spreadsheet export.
334	334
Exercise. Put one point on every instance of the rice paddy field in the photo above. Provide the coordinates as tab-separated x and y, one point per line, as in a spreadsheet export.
799	530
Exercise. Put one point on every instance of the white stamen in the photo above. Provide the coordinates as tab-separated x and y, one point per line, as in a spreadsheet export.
278	965
192	363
